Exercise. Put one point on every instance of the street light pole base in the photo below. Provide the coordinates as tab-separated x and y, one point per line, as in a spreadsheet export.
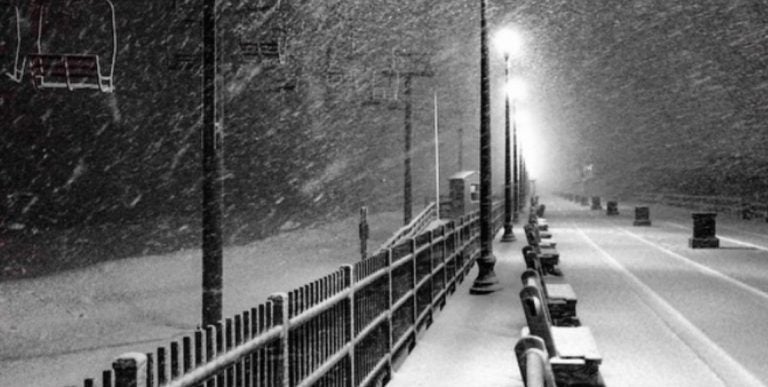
486	286
486	281
509	235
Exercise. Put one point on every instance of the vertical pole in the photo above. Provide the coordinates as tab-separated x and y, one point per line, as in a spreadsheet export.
486	281
212	184
509	235
130	370
461	148
437	162
363	231
407	215
515	166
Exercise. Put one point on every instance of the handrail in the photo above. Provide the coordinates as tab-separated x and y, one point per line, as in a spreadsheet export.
702	202
414	226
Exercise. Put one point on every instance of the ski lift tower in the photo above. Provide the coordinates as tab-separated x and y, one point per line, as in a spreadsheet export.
406	65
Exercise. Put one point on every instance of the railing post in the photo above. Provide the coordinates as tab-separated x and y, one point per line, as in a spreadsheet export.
349	282
390	289
414	281
130	370
280	316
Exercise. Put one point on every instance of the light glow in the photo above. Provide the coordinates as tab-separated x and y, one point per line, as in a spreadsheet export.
508	41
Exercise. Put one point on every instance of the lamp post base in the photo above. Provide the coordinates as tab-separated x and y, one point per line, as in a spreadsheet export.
486	281
509	235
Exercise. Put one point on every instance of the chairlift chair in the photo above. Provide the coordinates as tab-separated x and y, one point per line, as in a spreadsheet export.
18	71
72	71
385	94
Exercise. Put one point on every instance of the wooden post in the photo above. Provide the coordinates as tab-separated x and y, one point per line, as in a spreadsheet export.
363	231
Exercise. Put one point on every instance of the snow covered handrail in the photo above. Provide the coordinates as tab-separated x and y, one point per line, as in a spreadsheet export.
415	226
732	204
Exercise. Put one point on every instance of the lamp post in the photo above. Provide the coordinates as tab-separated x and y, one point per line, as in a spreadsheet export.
508	43
486	281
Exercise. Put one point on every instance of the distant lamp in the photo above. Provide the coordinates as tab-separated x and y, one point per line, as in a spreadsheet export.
508	41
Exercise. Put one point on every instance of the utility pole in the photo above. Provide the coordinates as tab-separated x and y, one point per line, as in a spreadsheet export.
415	66
212	172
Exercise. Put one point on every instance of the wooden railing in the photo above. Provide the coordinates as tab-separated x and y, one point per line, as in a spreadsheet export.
349	328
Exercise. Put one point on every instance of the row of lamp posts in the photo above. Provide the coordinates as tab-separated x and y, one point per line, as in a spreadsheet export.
509	44
486	281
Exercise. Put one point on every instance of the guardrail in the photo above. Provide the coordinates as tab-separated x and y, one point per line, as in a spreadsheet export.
349	328
725	204
414	227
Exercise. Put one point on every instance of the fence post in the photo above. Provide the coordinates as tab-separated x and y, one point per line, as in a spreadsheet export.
349	282
280	316
130	370
390	289
363	231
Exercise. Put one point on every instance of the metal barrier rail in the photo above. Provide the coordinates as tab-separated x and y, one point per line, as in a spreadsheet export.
414	227
344	329
729	204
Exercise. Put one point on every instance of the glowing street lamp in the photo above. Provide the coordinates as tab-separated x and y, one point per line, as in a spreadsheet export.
510	43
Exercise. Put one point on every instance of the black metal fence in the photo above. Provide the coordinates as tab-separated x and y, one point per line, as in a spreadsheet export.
349	328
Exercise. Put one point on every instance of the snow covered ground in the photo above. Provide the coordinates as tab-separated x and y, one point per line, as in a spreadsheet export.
662	314
58	329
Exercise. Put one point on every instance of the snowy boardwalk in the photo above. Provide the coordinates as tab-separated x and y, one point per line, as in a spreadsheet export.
662	314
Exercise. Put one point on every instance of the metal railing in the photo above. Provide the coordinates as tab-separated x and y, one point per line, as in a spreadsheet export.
725	204
415	226
345	329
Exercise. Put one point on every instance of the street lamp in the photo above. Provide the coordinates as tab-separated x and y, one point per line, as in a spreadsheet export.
486	281
508	42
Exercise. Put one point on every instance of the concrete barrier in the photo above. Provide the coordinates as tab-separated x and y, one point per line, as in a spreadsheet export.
703	231
596	203
642	216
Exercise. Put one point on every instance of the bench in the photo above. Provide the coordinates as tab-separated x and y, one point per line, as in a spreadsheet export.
533	236
541	228
533	362
559	296
573	353
546	261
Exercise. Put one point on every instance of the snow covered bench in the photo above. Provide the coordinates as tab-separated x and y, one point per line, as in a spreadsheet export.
559	296
533	237
572	351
